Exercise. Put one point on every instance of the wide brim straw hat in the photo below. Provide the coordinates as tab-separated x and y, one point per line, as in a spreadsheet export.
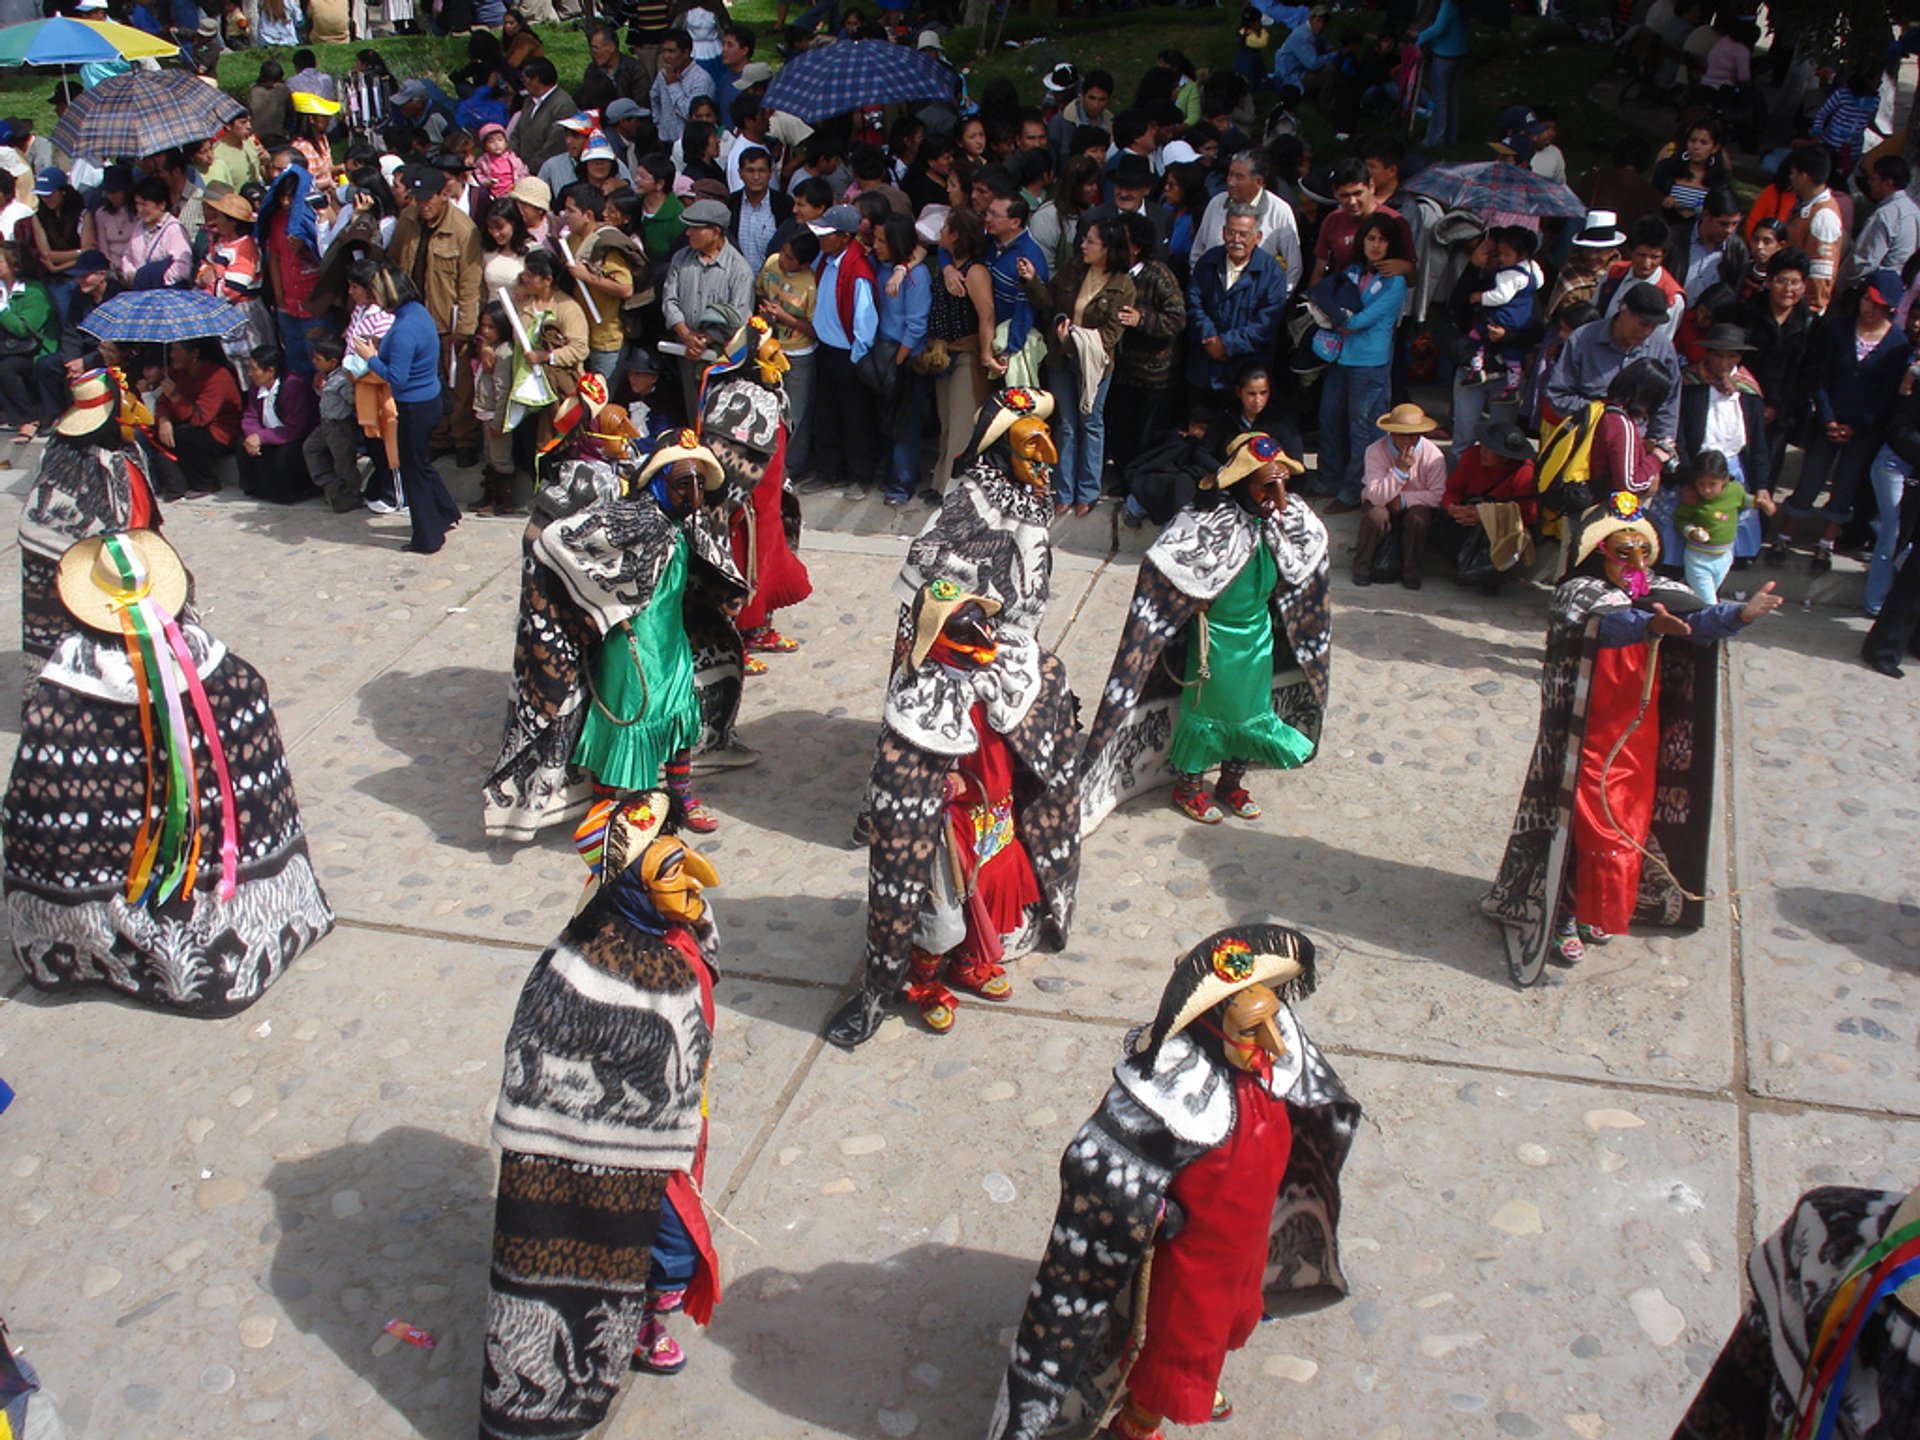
1622	512
1408	419
103	574
1004	410
685	445
95	403
1224	964
234	204
937	601
1247	453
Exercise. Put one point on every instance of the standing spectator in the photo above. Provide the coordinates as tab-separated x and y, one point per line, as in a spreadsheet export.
270	101
1017	345
1334	246
1247	185
1722	409
903	295
1894	472
238	160
677	85
278	414
537	136
1709	251
787	293
601	261
1233	309
408	358
960	317
1620	186
1600	350
756	209
331	450
197	418
1084	301
1857	363
1445	43
662	213
1133	183
438	249
707	271
1357	387
1406	477
160	252
1088	109
1623	460
1817	228
1842	121
1779	325
1891	236
845	321
737	44
1645	264
610	75
1138	403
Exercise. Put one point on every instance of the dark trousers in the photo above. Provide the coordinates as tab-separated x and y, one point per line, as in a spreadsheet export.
428	503
278	473
50	379
197	453
19	395
1136	418
1376	521
1892	637
846	421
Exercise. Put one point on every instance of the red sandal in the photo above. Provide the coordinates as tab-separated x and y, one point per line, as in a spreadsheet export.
1196	804
1238	802
980	977
936	1003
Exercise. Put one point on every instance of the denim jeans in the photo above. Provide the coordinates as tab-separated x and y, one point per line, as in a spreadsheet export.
1890	479
1081	439
604	363
1443	98
1352	400
904	464
1469	410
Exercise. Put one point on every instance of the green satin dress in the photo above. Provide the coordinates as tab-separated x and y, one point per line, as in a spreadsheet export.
1229	715
643	674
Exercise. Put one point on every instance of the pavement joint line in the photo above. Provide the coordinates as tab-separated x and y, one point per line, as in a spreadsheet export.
1737	959
750	1157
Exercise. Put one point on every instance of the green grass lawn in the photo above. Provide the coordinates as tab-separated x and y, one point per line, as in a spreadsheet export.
1532	62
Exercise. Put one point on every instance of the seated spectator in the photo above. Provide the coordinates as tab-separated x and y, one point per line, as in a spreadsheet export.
198	420
1698	165
278	415
160	252
1253	408
1406	476
28	330
1488	508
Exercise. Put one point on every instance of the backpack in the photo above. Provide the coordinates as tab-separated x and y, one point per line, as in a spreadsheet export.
1563	472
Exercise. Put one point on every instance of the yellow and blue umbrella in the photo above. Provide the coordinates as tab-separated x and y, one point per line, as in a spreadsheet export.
66	41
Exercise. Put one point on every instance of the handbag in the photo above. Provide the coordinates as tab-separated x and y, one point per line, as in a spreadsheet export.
1387	558
1474	565
11	344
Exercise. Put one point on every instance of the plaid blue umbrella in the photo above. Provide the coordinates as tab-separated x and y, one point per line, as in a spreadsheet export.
852	74
159	317
1497	185
144	112
66	41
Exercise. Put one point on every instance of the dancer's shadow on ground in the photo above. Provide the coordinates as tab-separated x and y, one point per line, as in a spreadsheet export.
921	1330
447	724
397	1227
1388	637
1864	924
811	776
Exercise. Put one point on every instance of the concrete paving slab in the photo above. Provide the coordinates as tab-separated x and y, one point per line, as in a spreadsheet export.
1520	1252
1795	1152
223	1239
1828	824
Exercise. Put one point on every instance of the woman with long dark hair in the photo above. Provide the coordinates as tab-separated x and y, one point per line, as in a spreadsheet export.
1084	298
408	359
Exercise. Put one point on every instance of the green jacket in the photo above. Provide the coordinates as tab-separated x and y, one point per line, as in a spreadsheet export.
29	313
661	231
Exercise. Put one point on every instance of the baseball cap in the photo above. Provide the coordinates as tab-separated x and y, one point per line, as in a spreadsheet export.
623	109
421	181
754	72
840	220
49	180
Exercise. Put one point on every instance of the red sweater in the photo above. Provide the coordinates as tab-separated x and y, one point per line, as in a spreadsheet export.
210	401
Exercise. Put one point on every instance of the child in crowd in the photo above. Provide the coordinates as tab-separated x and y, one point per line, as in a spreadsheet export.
491	356
787	293
1764	241
1250	57
332	451
1708	513
497	167
1507	304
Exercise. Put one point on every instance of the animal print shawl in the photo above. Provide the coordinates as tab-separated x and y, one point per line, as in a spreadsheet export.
990	538
80	490
1193	561
1069	1357
1539	848
908	795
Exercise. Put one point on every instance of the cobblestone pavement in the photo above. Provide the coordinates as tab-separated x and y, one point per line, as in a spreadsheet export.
1548	1204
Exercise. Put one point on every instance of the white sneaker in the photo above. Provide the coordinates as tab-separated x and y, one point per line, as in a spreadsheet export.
381	507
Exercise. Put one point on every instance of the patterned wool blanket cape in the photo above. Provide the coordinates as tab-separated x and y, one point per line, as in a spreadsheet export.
926	728
1193	561
72	812
602	1116
590	560
989	537
1752	1391
744	424
1070	1352
1527	890
79	491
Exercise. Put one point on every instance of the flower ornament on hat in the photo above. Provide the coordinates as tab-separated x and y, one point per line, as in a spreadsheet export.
1220	967
132	584
1621	511
614	833
1248	454
1003	410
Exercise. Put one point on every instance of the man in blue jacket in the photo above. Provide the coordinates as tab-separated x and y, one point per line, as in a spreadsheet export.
1303	58
1233	308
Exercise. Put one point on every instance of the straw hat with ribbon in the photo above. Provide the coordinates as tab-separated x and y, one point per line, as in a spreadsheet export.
96	401
1223	965
132	584
1408	419
685	445
935	606
1247	454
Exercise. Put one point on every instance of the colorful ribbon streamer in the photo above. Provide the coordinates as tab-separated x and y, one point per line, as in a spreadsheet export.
1880	1271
